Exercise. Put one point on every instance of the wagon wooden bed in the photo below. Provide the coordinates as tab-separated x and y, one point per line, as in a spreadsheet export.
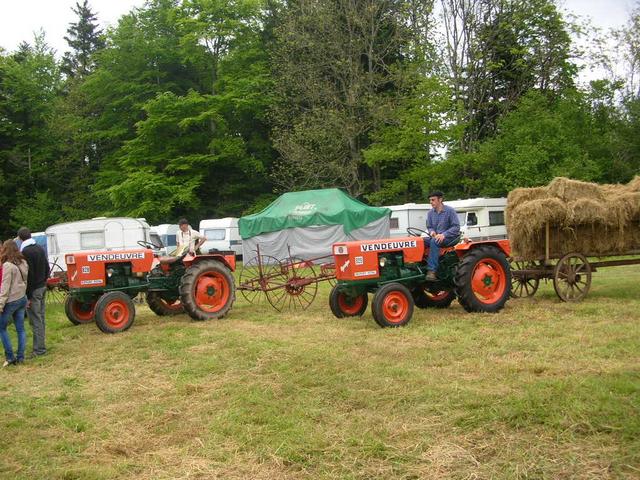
570	272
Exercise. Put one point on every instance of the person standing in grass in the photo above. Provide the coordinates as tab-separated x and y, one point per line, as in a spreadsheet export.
13	300
36	288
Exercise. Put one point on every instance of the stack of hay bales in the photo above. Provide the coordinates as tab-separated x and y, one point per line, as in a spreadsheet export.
583	217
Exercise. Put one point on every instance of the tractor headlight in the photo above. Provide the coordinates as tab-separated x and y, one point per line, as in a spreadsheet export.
109	272
383	261
70	259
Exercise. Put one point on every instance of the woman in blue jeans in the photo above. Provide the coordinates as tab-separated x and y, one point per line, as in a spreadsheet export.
13	300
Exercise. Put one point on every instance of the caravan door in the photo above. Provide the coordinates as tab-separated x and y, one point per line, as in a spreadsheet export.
113	235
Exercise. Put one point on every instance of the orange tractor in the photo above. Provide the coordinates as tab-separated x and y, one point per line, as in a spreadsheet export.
395	269
103	284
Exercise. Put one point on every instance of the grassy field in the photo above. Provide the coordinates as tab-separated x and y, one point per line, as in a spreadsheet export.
541	390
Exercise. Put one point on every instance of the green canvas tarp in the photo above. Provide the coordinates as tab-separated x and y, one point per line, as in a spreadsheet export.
306	225
309	208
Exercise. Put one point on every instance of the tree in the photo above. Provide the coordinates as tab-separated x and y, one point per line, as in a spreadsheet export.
84	38
336	64
30	81
496	51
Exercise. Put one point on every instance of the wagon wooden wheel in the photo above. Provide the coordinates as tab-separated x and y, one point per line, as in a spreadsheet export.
523	284
258	275
572	277
299	288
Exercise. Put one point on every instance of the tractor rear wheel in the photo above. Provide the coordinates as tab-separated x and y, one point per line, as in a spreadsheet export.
483	280
78	312
426	299
115	312
207	290
344	306
161	306
392	305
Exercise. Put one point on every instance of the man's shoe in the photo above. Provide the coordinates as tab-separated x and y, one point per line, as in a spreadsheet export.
8	362
431	275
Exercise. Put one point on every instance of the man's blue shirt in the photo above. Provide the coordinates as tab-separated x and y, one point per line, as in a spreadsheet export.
444	222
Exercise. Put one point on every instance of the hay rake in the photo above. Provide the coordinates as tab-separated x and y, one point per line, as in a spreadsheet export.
290	283
57	286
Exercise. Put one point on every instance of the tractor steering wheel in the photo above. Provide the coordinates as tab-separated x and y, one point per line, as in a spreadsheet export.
145	244
416	232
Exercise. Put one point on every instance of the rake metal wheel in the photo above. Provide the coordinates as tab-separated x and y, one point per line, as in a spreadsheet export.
299	288
523	286
572	277
259	274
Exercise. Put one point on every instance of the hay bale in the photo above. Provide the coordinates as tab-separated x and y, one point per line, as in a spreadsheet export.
522	195
583	217
634	185
566	189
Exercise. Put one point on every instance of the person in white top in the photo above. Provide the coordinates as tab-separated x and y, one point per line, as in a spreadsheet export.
188	240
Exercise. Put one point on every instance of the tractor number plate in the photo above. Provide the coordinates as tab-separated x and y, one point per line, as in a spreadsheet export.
364	274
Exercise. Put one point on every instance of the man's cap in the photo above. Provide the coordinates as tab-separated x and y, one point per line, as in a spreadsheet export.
24	233
436	193
183	221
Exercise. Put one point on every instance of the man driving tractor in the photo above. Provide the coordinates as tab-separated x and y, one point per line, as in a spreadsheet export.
443	228
188	240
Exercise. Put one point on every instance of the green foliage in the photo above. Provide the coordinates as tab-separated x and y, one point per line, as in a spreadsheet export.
408	138
210	108
37	212
539	140
85	38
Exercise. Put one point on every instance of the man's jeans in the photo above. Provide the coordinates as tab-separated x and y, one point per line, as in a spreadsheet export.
35	313
434	251
13	311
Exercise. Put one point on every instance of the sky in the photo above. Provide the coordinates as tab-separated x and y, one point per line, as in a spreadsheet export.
20	18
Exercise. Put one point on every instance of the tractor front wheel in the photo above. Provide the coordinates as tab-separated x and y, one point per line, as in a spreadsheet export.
161	306
115	312
79	312
425	299
483	280
345	306
392	305
207	290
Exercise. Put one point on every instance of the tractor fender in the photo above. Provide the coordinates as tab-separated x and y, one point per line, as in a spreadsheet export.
462	249
228	261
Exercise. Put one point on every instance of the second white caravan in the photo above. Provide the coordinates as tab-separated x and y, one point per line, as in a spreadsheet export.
480	218
221	234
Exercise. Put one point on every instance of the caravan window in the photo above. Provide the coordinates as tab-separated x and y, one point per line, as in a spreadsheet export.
155	239
91	240
393	222
496	218
472	219
215	234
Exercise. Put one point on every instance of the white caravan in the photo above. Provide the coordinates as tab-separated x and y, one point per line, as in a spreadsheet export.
99	233
480	218
164	236
221	234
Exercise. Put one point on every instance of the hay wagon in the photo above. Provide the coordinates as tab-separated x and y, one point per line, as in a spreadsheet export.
570	272
568	230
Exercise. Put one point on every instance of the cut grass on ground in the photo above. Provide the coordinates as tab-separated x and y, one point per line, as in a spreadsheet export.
541	390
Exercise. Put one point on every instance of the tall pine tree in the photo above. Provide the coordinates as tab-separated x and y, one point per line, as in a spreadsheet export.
84	38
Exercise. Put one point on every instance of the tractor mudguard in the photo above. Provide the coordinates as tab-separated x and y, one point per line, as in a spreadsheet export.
463	248
226	258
